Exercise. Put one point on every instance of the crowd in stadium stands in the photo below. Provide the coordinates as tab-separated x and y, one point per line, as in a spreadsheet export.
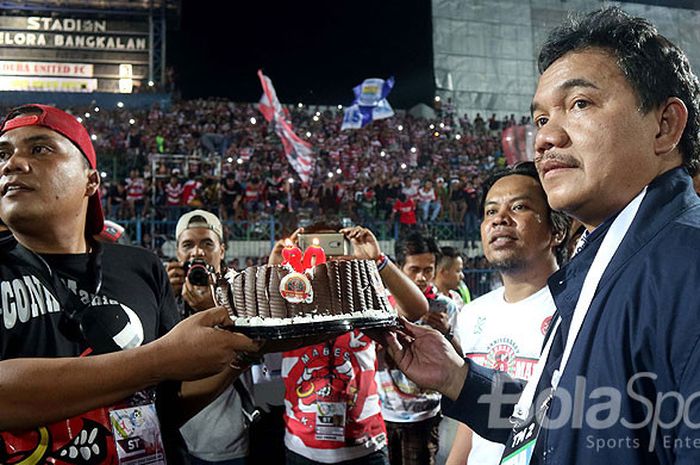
403	169
408	169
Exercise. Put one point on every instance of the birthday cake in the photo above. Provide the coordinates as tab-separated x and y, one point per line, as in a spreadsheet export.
342	294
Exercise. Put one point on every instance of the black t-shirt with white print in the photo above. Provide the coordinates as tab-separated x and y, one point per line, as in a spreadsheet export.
134	285
132	278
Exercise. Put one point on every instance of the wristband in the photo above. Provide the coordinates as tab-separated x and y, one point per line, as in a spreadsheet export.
382	262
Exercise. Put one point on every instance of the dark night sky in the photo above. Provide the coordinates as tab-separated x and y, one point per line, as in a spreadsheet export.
314	51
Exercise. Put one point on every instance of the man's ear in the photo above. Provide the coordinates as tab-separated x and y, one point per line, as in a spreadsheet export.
672	116
558	237
93	183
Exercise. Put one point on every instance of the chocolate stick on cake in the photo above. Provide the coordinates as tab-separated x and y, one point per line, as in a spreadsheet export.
276	296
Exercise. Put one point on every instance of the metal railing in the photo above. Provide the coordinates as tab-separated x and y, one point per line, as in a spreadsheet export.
481	282
269	228
256	239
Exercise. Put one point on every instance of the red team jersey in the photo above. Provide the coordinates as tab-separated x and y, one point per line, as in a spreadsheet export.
332	411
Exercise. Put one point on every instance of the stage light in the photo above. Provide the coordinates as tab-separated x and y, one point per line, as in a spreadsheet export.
338	171
239	161
120	104
400	127
97	109
300	105
432	126
442	125
151	83
330	175
229	159
382	154
315	118
79	119
318	113
253	120
340	107
103	175
436	134
437	98
458	136
414	150
308	134
403	166
290	180
93	137
87	115
132	121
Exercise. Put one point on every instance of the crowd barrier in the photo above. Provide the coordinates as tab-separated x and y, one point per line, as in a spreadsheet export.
255	239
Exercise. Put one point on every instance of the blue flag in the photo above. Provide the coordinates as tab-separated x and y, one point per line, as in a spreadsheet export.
370	103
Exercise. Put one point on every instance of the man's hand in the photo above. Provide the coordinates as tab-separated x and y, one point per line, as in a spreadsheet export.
427	358
364	243
437	320
197	297
176	275
275	257
201	345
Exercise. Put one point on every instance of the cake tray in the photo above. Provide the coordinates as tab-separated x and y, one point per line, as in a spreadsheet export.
315	328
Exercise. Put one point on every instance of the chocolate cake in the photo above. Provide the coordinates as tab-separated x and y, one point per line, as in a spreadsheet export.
274	295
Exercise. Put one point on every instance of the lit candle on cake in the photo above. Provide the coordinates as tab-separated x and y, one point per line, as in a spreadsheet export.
291	254
314	255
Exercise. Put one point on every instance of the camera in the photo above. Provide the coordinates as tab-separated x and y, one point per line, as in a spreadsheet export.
197	271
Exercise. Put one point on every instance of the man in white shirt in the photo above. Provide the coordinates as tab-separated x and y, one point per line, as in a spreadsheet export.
525	241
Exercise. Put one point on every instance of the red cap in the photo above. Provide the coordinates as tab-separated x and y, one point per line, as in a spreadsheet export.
69	127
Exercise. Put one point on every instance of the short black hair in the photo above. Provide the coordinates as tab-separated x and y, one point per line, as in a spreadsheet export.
415	244
559	221
447	256
654	66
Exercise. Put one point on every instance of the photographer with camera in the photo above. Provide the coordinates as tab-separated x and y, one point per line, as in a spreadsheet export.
217	434
200	252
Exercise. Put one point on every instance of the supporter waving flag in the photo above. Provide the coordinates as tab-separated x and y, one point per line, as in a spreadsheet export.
299	152
370	103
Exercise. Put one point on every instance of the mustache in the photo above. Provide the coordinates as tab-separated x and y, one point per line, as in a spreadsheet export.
558	157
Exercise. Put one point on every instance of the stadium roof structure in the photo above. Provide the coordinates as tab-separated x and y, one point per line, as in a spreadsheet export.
106	5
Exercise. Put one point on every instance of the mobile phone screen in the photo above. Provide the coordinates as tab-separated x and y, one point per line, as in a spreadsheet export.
333	244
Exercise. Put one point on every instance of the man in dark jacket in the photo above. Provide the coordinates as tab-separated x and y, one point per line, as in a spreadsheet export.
617	114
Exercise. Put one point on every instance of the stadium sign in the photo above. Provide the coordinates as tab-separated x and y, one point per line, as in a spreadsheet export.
38	23
50	84
36	68
74	41
93	48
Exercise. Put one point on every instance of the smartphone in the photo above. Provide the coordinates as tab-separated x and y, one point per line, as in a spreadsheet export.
333	244
437	306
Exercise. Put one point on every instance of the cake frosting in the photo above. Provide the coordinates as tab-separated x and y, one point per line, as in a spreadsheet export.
272	295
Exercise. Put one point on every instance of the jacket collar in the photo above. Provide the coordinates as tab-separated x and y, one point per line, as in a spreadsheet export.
668	197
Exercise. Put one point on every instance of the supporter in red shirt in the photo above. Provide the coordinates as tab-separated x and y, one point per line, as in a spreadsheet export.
338	378
191	195
406	208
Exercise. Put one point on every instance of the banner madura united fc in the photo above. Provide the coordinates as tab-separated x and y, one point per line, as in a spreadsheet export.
73	33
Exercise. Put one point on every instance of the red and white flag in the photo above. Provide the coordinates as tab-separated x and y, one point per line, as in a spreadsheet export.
299	152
